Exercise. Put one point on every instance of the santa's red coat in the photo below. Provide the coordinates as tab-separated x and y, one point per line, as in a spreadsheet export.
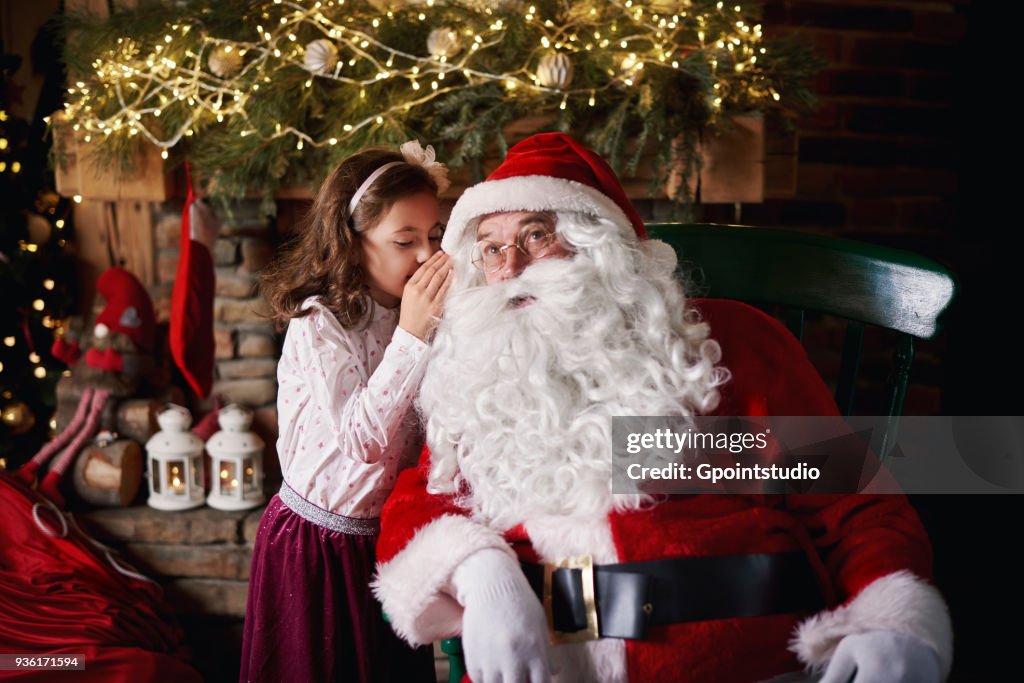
871	554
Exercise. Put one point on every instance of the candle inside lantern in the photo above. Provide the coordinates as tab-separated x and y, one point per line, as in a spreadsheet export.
248	485
176	476
228	478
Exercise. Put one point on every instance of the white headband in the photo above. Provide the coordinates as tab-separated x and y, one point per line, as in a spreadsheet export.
354	202
414	154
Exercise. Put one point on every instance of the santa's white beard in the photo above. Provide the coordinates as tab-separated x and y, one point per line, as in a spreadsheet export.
518	399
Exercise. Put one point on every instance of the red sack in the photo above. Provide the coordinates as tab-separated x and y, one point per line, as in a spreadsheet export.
62	592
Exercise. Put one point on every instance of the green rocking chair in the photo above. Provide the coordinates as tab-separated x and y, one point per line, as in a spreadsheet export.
799	272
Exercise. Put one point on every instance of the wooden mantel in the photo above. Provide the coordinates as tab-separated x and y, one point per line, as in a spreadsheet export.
757	161
115	215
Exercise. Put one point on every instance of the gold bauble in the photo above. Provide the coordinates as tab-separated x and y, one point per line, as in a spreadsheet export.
17	417
225	61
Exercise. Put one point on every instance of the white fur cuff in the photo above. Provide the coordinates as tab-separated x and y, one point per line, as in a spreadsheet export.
898	602
413	586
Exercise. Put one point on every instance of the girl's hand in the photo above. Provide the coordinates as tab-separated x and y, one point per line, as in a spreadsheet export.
423	296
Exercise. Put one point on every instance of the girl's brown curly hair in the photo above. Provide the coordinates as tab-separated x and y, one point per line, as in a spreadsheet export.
325	258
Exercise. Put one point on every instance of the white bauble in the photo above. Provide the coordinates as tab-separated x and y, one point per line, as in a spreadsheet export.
225	61
443	42
321	57
555	71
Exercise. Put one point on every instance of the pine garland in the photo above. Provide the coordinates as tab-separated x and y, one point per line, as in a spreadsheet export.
644	74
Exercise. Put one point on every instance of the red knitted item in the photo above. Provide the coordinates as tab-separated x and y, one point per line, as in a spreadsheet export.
191	330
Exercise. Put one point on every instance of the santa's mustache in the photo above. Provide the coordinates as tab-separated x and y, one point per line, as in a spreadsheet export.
545	291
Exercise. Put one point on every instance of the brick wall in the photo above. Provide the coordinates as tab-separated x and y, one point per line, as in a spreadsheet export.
245	343
876	161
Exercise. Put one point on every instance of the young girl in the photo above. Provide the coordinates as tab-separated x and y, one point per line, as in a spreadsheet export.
360	290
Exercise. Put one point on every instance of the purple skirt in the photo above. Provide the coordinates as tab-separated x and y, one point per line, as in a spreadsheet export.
310	614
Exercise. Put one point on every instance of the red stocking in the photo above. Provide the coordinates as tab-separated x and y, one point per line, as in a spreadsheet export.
191	331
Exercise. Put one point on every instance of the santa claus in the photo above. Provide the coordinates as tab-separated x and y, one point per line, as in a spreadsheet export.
564	315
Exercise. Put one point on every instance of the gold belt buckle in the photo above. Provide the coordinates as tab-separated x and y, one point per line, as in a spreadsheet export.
585	563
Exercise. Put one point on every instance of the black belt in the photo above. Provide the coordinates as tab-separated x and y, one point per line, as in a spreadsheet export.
633	595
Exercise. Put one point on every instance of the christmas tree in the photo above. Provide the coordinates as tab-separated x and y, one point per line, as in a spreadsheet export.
37	278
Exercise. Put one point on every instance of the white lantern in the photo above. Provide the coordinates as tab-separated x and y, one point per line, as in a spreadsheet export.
175	457
236	459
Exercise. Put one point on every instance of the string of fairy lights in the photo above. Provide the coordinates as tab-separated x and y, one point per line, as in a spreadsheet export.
215	78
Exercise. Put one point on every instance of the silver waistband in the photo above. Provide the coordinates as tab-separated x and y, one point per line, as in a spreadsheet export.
329	520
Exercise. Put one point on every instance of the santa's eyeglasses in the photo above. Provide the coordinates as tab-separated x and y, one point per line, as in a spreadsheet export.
533	242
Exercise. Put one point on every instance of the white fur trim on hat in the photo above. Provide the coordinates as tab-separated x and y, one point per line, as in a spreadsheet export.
530	193
899	602
413	585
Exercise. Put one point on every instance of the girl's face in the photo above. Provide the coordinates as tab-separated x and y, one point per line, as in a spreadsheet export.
407	235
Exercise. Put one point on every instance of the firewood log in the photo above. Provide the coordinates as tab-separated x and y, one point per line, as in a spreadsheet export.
109	475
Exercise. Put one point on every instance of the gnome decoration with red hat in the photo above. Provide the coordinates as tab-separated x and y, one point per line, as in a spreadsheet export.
562	316
124	332
118	362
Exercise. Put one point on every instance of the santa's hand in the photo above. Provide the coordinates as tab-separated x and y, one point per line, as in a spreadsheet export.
883	657
504	631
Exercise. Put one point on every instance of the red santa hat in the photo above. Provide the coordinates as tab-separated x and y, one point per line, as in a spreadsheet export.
547	172
129	309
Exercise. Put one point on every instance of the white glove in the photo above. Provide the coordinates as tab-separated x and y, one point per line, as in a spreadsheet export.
504	630
883	657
